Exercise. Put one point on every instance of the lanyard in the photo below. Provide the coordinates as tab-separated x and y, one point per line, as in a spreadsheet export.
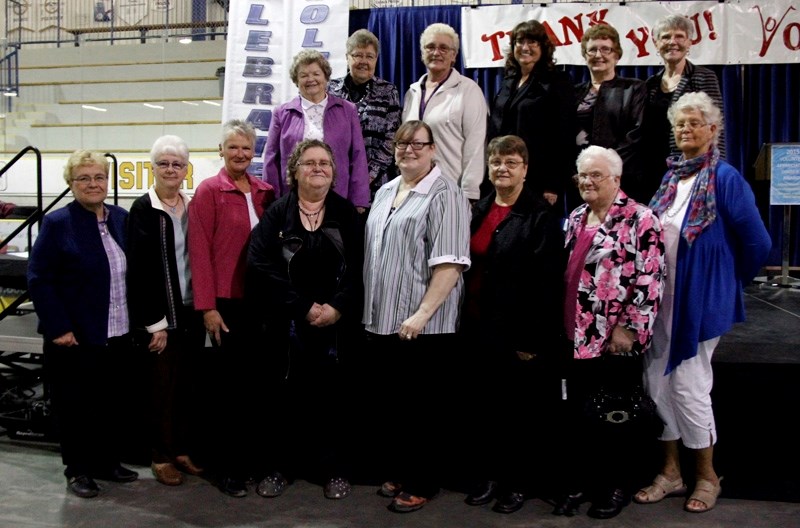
423	104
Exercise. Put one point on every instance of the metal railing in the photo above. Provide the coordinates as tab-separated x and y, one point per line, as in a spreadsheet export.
111	21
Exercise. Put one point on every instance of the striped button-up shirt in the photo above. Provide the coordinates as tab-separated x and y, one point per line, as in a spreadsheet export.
431	227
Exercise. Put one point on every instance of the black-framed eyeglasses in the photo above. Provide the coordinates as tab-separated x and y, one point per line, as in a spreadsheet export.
415	145
176	165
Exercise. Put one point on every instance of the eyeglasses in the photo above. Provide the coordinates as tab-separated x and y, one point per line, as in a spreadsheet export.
415	145
441	48
364	56
602	50
100	179
510	164
323	164
594	177
526	42
176	165
689	125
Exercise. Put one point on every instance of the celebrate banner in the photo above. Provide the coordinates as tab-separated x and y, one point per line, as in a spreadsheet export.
263	38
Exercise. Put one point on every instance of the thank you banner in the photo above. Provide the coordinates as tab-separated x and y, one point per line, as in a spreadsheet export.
744	32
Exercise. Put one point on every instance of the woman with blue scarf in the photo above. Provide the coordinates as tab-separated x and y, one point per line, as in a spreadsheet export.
715	244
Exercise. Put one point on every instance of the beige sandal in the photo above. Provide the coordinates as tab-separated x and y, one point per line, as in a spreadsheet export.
660	489
705	492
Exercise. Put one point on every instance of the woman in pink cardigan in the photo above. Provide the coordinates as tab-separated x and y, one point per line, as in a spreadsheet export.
224	210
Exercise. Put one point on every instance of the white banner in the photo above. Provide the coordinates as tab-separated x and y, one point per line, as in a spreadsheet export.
135	175
263	37
745	32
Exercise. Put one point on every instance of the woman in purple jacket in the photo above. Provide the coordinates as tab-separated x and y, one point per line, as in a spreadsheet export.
316	114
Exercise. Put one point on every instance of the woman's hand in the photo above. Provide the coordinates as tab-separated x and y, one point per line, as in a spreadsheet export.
412	327
214	324
328	315
621	341
67	340
158	342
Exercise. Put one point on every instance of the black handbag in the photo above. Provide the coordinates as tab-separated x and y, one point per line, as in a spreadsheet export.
621	406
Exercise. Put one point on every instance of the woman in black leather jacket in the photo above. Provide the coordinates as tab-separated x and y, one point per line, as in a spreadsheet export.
305	267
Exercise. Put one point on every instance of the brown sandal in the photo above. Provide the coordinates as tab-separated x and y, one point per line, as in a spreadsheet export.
660	489
705	492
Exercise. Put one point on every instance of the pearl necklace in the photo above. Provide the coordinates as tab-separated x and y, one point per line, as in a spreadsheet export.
672	210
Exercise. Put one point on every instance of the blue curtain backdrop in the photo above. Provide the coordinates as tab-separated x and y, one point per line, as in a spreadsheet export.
761	103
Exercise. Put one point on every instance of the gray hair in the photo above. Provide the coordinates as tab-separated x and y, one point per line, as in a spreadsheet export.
238	127
362	38
699	101
673	22
438	29
595	151
306	57
169	145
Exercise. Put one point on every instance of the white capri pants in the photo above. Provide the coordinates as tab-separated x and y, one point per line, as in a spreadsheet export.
683	397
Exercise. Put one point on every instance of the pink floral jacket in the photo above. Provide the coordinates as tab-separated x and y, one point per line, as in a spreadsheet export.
622	280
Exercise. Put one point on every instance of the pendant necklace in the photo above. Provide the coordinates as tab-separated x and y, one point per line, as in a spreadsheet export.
172	207
312	216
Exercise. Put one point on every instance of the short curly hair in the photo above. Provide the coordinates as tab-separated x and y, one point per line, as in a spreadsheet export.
306	57
601	31
80	158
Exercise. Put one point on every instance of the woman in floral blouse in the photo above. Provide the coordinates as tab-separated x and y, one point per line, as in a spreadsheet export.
613	286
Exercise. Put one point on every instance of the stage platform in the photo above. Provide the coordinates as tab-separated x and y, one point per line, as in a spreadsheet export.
756	391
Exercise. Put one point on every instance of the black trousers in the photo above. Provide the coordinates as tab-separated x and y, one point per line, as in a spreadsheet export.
417	428
88	390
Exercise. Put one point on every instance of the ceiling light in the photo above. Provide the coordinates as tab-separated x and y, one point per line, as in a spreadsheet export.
185	40
95	108
212	103
157	107
9	93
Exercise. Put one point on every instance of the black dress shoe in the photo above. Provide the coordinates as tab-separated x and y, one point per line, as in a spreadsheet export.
233	487
117	474
509	503
610	506
568	504
482	494
83	486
